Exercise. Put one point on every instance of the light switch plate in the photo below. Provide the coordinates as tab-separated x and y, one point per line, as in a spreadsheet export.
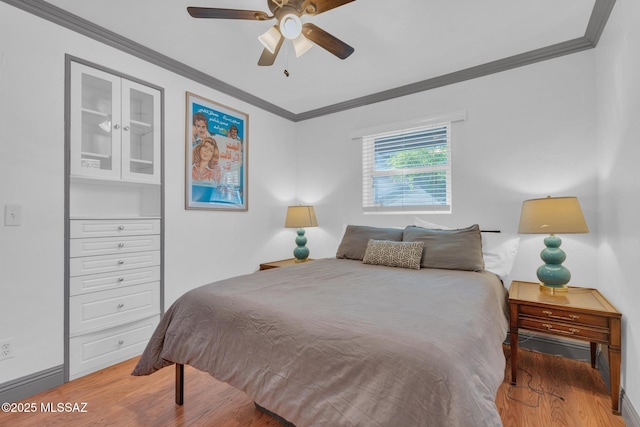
12	215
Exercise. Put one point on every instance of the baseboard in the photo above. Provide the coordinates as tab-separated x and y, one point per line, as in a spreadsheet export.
21	388
578	350
629	413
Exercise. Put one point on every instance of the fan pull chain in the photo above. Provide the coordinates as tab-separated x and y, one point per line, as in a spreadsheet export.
286	58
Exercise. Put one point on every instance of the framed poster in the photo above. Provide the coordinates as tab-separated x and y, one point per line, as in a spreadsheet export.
216	166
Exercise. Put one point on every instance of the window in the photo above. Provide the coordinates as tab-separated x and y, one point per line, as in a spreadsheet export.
407	170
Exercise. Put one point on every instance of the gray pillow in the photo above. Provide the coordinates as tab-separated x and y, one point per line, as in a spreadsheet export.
448	249
394	254
356	238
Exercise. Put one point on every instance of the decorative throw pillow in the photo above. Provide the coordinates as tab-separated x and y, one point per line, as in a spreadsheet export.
394	254
356	237
459	249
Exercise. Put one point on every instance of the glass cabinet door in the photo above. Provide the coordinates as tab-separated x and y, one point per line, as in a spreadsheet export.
95	123
140	132
115	127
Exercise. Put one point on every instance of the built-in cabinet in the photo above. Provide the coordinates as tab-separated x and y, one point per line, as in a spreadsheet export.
114	221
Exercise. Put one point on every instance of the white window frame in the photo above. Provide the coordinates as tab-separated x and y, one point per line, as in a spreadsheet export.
368	136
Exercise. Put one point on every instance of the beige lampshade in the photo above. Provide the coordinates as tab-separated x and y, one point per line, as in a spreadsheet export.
552	215
300	217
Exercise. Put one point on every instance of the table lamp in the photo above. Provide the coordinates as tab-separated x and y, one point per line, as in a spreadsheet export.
300	217
552	215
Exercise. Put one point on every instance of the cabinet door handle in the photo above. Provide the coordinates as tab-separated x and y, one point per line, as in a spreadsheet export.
116	126
126	128
550	314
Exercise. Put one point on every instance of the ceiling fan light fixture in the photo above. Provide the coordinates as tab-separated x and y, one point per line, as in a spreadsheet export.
270	39
290	26
301	44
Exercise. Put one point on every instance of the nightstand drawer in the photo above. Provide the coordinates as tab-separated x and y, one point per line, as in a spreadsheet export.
563	329
556	315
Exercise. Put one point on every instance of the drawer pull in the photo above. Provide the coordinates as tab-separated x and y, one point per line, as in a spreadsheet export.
120	342
121	305
121	245
571	331
550	314
121	227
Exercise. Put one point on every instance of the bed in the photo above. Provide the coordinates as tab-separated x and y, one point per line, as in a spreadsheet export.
349	341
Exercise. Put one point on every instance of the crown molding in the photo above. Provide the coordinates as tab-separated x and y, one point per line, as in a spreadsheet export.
597	21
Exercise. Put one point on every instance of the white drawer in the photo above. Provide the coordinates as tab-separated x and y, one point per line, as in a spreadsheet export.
101	282
96	310
80	228
113	245
91	352
110	263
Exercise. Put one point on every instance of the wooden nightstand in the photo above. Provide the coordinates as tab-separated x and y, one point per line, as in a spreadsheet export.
581	313
281	263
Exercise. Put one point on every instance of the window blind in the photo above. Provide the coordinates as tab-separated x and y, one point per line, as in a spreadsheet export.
407	170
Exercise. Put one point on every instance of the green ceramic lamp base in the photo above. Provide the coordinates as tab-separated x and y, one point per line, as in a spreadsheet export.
301	252
553	275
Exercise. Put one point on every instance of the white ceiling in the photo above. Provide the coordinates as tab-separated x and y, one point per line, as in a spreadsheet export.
396	43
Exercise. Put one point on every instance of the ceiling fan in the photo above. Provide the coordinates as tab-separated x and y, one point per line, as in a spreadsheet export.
289	26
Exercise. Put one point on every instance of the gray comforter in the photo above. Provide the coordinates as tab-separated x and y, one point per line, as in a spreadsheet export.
339	343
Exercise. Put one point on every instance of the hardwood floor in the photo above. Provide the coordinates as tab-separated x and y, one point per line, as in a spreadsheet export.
552	391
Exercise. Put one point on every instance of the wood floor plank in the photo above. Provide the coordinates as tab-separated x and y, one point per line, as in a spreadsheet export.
551	391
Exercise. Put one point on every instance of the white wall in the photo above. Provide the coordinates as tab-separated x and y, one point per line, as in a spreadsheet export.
530	132
201	246
618	90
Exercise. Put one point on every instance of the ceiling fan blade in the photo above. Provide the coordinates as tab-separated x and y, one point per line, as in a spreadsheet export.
315	7
209	12
267	58
326	41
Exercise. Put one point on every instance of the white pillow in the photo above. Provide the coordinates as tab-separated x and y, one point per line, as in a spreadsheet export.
426	224
499	250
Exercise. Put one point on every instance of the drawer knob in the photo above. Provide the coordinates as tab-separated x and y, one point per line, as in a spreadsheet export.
121	305
121	227
570	317
121	262
120	279
120	342
121	245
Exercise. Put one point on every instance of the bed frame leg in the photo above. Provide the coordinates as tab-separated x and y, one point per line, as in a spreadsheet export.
179	384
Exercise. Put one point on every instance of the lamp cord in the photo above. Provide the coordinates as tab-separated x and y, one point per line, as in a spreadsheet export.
539	391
